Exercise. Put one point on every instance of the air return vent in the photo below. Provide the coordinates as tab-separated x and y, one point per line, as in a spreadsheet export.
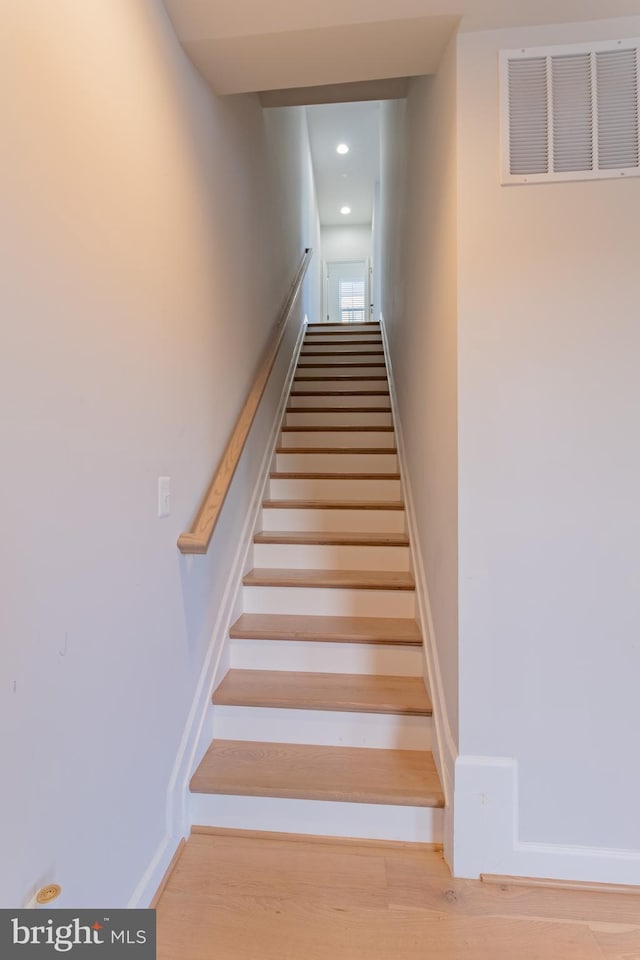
570	113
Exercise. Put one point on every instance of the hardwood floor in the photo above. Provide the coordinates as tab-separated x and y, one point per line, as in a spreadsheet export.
234	896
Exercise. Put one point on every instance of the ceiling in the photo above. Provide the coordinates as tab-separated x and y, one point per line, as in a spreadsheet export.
349	179
313	52
251	46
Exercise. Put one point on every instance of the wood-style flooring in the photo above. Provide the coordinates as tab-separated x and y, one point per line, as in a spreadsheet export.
234	896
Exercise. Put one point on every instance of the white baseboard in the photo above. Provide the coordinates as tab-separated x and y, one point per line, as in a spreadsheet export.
445	751
487	833
154	874
197	731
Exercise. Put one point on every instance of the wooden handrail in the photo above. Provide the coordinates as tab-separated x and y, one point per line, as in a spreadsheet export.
198	538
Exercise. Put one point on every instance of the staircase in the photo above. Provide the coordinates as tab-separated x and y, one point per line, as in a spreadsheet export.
323	724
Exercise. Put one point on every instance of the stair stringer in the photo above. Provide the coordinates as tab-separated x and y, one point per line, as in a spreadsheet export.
445	752
198	731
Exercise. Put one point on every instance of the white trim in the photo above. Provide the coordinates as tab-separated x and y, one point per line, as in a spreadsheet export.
487	833
445	750
197	732
153	875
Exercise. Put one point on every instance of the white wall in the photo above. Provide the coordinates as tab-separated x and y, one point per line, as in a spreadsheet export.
145	253
346	243
418	229
549	471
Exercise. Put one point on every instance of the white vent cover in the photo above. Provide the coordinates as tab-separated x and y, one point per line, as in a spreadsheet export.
570	113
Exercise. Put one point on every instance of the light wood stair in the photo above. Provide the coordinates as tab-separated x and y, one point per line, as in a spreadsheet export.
357	693
327	629
322	723
346	774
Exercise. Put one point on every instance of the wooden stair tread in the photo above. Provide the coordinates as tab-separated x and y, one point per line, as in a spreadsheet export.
334	539
303	475
340	353
331	338
334	504
338	393
286	626
351	428
306	772
344	326
360	342
349	450
346	363
350	693
339	410
334	579
336	377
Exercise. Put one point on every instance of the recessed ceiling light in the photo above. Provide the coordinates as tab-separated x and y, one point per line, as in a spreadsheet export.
342	148
345	210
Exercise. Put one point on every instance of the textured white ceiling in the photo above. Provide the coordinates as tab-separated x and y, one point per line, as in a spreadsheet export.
348	179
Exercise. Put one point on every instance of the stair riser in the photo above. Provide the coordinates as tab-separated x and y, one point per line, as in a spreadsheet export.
343	349
311	656
357	521
320	817
339	419
353	327
346	402
329	356
339	488
329	601
336	370
330	557
336	462
330	728
335	386
363	339
337	438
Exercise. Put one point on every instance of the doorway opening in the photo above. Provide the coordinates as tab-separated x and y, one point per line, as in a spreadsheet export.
346	291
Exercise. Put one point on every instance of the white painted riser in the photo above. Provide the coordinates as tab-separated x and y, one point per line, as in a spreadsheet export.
332	438
338	488
310	556
351	327
371	353
329	601
344	401
342	341
339	419
335	370
329	728
336	462
341	338
329	357
356	521
335	386
308	656
322	817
